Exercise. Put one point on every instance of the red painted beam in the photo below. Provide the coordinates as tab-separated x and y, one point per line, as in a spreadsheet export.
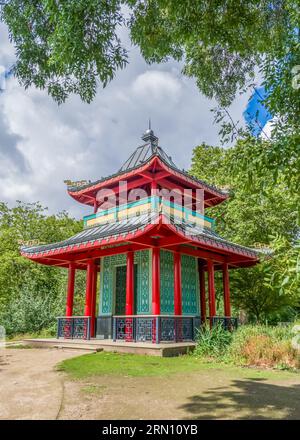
200	253
137	183
110	251
172	241
145	242
84	255
155	176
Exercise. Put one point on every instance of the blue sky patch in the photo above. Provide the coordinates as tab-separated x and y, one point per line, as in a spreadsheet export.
256	115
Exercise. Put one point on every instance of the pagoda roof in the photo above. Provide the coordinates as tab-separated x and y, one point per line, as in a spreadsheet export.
141	157
144	154
126	231
98	233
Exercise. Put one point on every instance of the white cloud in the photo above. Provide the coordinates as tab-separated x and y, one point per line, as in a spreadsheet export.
266	132
42	144
6	49
158	86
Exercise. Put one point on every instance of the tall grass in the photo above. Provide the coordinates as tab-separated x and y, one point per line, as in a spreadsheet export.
212	342
251	345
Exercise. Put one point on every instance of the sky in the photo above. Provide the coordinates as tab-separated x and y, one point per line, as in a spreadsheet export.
43	144
257	115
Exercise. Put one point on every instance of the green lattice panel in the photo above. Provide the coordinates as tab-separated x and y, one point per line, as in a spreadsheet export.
166	282
190	285
120	301
108	264
143	275
106	286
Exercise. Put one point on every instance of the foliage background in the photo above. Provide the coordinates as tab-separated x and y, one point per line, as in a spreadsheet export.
262	213
32	295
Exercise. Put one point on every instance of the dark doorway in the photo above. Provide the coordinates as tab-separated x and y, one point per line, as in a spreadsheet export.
121	290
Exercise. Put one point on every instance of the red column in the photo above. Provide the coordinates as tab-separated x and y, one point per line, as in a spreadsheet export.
153	187
70	291
202	290
177	284
93	300
156	281
129	283
211	288
95	206
226	290
89	288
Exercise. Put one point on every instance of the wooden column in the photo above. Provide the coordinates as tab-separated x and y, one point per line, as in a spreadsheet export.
129	283
70	291
211	288
226	291
202	290
156	281
89	288
177	284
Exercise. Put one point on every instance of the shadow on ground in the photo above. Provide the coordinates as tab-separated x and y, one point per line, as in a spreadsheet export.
246	399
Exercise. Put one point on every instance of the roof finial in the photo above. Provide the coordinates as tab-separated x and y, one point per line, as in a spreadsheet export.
149	136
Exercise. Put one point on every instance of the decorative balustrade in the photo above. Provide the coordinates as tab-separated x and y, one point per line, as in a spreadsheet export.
74	327
144	328
156	329
226	322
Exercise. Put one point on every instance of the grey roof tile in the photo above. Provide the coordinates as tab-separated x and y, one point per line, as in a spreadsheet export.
138	223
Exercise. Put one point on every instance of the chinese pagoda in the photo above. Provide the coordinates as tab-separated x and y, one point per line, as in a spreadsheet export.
150	253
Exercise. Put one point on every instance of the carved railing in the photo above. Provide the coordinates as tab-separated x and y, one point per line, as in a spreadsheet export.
155	329
226	322
74	327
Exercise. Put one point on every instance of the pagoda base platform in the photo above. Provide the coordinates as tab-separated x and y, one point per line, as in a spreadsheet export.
95	345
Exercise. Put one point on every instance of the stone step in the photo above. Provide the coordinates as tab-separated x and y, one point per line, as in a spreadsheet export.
80	347
13	344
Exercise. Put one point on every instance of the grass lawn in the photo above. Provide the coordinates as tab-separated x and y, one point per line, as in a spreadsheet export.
122	386
130	365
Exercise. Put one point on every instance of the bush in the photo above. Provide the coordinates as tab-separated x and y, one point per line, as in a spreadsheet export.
31	313
251	345
264	346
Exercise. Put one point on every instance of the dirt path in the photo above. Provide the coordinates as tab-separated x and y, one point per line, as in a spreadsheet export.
30	388
208	394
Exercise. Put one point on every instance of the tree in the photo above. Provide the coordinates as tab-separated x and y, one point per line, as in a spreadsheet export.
261	214
22	281
69	46
253	213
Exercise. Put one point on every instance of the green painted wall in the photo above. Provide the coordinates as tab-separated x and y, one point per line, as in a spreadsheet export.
190	285
166	282
107	282
189	275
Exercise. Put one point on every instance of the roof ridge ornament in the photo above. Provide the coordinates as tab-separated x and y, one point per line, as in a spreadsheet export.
149	137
